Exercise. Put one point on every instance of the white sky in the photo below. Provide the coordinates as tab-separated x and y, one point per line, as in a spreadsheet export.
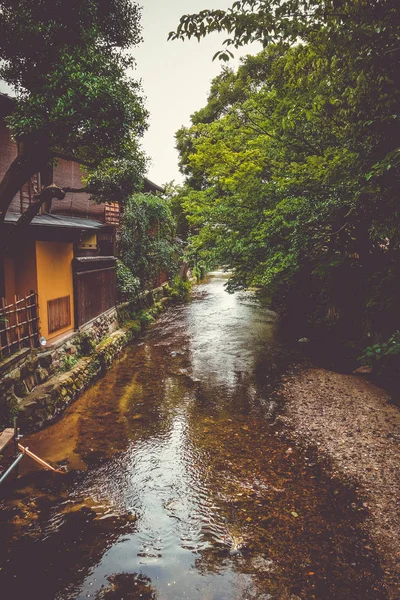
175	76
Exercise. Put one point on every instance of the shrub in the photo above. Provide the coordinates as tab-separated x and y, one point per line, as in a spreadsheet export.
383	355
156	308
145	317
85	343
147	239
133	326
128	284
178	289
69	361
199	272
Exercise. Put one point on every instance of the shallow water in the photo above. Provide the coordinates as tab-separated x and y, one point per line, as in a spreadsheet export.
180	484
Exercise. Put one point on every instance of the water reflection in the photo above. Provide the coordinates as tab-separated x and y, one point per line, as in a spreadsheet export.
179	486
226	332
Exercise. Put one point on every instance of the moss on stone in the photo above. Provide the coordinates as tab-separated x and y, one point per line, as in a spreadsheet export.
49	399
20	389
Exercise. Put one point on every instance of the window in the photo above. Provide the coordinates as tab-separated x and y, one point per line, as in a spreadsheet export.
59	313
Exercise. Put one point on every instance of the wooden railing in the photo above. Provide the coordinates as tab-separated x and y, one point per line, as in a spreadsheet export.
19	324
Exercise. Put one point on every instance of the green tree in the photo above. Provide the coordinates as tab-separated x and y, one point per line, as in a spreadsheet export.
146	240
364	32
279	168
67	62
176	195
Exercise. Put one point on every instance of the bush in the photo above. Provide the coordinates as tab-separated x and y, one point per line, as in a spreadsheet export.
145	317
128	284
133	329
147	239
85	343
156	308
199	272
178	289
384	355
69	361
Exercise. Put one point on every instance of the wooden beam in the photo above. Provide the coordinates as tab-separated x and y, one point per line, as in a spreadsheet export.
39	460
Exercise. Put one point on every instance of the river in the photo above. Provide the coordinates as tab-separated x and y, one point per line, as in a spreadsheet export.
181	484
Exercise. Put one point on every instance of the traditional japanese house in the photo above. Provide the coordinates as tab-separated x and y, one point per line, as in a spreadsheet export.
59	272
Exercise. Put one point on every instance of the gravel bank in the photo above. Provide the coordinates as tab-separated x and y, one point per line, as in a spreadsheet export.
351	423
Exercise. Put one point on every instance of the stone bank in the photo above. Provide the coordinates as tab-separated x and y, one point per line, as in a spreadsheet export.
37	386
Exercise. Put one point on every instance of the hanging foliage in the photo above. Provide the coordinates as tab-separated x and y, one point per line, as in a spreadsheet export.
147	239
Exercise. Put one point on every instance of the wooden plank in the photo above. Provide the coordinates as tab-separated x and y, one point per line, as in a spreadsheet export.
102	270
39	460
5	315
59	313
29	322
17	329
6	436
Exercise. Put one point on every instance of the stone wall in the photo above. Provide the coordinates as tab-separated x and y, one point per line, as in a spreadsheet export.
33	385
23	372
51	398
102	325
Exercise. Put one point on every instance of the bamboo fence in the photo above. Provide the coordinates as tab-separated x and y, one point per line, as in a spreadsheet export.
19	324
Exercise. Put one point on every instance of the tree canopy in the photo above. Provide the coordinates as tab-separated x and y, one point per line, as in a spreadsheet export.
292	166
67	62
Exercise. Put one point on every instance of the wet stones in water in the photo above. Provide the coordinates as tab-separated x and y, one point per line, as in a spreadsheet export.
272	409
127	586
137	417
235	544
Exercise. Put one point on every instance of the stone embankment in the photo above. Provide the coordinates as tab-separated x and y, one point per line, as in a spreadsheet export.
24	371
38	386
50	399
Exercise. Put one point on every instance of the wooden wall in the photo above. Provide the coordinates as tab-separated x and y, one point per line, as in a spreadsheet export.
95	285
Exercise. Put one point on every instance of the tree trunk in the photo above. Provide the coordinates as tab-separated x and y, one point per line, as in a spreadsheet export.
46	195
31	159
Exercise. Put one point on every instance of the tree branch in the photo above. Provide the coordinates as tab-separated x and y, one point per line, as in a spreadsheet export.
339	230
86	189
45	195
23	167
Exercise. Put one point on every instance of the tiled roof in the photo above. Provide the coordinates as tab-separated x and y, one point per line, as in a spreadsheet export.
6	104
149	186
57	221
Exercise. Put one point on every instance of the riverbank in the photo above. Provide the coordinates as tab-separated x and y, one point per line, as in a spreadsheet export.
178	481
351	424
75	363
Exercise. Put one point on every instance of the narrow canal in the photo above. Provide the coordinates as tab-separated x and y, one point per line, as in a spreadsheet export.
180	484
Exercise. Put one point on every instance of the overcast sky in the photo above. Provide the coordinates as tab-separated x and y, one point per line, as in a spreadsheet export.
175	76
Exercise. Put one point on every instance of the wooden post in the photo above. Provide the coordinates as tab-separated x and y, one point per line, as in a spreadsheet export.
29	319
17	329
35	316
6	329
15	437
